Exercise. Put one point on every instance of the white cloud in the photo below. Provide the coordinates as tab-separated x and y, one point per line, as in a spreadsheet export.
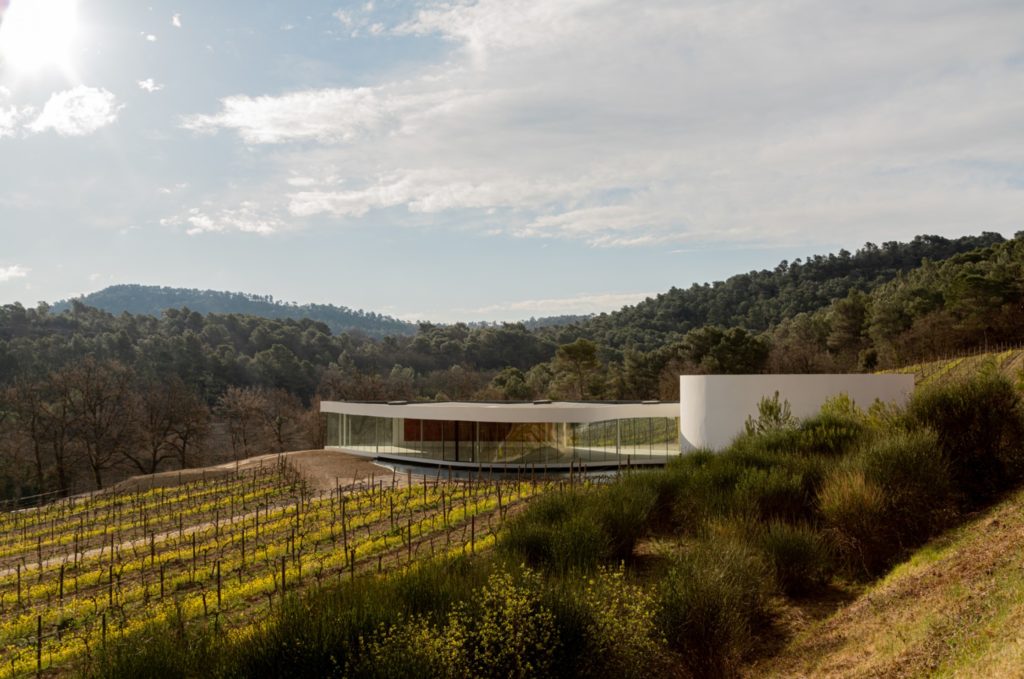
325	115
248	217
11	118
76	112
176	21
150	85
426	192
552	306
345	18
11	272
617	124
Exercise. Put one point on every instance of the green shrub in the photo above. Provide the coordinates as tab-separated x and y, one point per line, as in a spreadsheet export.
579	544
980	428
667	485
623	510
528	540
410	649
710	604
706	492
772	415
854	509
772	494
914	476
606	627
429	588
830	433
799	555
505	631
558	532
624	640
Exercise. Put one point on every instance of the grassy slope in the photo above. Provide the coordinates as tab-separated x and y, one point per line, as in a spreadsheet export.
956	608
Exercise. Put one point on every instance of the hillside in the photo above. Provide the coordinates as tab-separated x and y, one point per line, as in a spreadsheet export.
757	300
953	609
152	300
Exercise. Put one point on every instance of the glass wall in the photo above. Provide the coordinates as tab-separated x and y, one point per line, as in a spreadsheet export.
509	443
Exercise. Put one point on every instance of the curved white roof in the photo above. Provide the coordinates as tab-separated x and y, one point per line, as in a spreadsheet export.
556	411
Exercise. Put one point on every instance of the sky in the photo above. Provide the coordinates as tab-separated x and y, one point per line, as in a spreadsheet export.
497	159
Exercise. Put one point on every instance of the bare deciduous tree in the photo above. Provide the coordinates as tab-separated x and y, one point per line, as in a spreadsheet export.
103	405
243	408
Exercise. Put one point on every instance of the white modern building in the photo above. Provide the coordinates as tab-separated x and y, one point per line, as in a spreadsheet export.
711	412
543	433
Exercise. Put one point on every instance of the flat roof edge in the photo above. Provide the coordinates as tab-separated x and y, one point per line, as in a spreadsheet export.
580	413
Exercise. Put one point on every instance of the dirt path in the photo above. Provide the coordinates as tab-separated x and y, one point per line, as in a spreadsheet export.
320	469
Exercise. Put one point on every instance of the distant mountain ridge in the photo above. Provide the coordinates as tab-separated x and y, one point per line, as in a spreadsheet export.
153	300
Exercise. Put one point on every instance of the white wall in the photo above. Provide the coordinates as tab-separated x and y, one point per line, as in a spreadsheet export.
714	408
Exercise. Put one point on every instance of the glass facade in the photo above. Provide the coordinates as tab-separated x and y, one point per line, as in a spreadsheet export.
611	441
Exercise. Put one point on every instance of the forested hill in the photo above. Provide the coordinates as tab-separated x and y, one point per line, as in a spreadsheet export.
757	300
152	300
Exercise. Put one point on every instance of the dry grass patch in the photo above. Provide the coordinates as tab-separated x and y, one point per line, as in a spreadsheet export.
956	608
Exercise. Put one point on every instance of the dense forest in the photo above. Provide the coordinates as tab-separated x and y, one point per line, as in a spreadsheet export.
87	396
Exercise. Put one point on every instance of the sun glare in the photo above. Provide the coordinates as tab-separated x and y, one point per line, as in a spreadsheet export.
38	34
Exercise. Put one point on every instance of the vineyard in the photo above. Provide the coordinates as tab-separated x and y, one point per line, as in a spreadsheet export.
1008	360
77	572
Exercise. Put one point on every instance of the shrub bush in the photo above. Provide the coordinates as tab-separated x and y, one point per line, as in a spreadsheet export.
914	476
799	555
579	544
830	433
505	631
606	627
775	493
624	511
854	510
980	428
410	649
558	532
706	492
710	604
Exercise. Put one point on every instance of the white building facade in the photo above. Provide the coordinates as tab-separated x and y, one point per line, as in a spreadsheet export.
713	409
